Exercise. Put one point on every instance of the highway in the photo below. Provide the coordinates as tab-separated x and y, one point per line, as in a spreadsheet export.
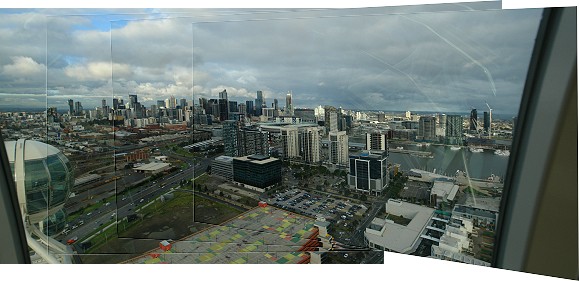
125	205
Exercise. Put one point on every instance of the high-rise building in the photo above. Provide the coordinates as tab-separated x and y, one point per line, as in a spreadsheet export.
78	108
289	108
333	119
454	129
233	106
427	128
115	103
104	103
473	120
368	171
309	142
252	141
290	142
223	106
203	103
249	107
376	141
242	108
132	101
161	104
171	102
338	148
259	101
487	121
240	141
230	128
183	103
408	115
70	107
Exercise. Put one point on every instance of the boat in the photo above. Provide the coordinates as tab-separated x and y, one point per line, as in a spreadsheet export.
455	148
502	152
476	150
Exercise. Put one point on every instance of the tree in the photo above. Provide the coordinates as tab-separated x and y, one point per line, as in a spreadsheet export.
221	193
363	197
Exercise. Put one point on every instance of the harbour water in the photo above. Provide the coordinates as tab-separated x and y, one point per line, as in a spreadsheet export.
447	161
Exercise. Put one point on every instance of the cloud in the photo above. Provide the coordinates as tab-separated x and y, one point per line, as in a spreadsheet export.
97	71
23	67
364	58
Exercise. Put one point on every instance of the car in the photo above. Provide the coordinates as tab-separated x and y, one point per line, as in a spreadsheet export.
89	214
72	240
141	201
80	223
108	204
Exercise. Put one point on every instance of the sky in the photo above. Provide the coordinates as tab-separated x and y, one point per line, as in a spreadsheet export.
441	58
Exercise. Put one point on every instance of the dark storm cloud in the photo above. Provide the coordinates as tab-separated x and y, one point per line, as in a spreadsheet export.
401	58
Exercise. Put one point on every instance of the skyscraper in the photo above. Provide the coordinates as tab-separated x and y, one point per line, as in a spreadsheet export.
223	106
249	107
240	141
368	171
132	101
290	142
70	107
259	103
338	148
230	128
183	103
309	141
454	129
332	119
288	105
203	103
487	121
78	108
473	120
427	128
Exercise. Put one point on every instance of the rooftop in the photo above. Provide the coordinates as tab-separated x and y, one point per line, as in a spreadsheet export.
262	235
258	159
152	166
397	237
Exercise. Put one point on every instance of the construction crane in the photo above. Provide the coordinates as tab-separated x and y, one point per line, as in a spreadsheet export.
490	119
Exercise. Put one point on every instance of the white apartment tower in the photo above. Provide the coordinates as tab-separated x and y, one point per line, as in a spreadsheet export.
290	142
339	148
309	142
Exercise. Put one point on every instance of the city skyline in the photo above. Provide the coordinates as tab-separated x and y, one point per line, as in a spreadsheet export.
348	58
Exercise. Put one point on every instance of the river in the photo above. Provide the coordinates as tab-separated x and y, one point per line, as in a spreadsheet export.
447	161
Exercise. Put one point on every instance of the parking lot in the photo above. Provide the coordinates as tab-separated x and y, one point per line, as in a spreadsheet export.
313	204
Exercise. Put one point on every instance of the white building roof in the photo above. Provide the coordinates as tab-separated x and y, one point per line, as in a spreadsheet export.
399	238
444	189
152	167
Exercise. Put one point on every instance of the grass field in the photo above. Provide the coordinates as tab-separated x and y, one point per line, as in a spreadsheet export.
173	219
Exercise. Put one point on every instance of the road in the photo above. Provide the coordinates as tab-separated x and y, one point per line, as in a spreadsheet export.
127	204
357	238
